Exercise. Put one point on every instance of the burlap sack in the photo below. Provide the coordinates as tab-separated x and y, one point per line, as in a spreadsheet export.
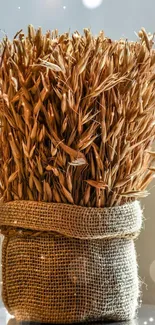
64	263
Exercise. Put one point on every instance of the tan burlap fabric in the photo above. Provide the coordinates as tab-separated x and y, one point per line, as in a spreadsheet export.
64	263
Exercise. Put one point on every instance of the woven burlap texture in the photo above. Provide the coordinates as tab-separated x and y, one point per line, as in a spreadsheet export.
75	264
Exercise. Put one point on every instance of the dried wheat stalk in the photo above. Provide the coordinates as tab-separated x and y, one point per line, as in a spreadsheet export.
77	118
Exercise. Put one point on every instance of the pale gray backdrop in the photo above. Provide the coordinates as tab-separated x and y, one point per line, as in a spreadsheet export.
118	18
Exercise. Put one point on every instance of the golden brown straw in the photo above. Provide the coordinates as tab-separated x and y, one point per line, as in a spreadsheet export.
77	118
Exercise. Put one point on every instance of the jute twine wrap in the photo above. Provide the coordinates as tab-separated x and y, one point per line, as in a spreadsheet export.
64	263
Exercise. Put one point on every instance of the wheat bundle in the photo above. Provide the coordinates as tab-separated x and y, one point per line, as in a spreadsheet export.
77	118
77	125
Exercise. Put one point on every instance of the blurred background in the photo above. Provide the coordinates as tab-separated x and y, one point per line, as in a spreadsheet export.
118	18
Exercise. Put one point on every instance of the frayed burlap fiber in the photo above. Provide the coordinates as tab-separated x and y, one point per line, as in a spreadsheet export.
64	263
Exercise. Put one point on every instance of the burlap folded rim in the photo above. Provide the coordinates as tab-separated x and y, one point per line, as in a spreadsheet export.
71	220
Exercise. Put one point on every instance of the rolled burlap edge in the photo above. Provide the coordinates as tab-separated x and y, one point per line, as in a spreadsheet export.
71	220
